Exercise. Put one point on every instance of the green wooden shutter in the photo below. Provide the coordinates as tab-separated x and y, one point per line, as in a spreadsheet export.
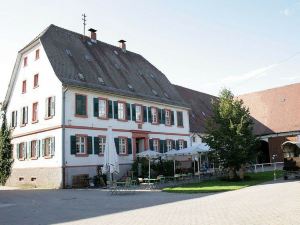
89	145
38	148
161	146
173	144
185	144
159	115
29	150
110	109
145	113
96	107
96	145
149	115
52	146
128	112
117	145
43	148
151	144
177	145
129	144
116	109
163	116
133	112
73	145
172	117
18	151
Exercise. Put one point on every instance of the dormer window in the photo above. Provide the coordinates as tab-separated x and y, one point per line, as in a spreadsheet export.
37	54
25	62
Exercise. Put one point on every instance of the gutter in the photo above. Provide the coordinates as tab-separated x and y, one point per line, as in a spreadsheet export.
64	90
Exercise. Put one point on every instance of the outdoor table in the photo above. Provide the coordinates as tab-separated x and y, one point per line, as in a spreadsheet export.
150	180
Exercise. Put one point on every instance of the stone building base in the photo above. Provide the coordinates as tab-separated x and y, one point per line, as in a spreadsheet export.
36	177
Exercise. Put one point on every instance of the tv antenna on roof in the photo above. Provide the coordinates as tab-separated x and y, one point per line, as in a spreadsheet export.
84	22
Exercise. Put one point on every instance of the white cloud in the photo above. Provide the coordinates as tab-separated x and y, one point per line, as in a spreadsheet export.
287	12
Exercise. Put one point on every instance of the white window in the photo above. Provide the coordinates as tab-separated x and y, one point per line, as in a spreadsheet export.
102	108
121	111
14	117
34	149
24	115
138	113
154	113
48	145
181	144
169	145
21	151
168	117
50	107
81	142
102	142
156	145
122	145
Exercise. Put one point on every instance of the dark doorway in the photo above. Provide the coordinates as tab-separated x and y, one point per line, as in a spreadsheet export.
140	144
263	155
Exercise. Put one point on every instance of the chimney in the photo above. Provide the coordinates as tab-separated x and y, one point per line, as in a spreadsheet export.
122	45
93	34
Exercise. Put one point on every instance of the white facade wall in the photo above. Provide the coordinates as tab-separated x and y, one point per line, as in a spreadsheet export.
49	85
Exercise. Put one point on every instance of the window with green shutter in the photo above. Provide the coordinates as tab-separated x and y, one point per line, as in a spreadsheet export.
110	109
80	105
145	113
128	111
96	107
117	145
179	119
172	117
129	144
116	110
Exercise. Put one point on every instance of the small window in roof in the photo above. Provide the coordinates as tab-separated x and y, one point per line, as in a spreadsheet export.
151	75
88	58
101	81
68	52
81	76
203	113
166	95
130	87
116	52
154	92
89	43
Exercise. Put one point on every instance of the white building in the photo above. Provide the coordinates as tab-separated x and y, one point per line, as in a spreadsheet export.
67	89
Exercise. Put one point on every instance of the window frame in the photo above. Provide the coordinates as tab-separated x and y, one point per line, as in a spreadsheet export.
35	80
24	86
37	54
86	106
124	111
85	136
101	151
106	108
125	144
24	116
50	147
35	111
141	113
14	119
169	117
23	144
25	61
152	117
158	144
168	141
49	110
180	141
36	149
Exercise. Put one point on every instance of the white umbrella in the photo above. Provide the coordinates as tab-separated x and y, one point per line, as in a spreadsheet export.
111	158
194	150
172	155
149	154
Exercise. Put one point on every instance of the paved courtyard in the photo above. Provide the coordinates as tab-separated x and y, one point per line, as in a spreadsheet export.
274	203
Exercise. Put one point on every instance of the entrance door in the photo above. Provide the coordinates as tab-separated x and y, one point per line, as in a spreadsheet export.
140	145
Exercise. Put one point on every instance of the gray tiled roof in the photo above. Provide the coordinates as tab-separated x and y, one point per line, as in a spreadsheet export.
71	55
201	107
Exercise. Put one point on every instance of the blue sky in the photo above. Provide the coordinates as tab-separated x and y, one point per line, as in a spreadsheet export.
204	45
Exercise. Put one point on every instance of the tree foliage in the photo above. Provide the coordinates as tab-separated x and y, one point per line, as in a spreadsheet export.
6	159
229	132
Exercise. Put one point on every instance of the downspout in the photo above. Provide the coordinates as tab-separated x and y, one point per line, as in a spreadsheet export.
64	90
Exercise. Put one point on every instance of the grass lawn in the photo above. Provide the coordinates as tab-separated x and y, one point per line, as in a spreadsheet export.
221	185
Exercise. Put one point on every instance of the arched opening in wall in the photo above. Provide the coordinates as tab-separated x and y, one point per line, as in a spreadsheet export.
263	155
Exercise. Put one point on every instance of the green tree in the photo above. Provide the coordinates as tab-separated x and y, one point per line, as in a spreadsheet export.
229	133
6	159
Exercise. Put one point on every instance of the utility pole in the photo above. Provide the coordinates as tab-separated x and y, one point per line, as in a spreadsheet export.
84	22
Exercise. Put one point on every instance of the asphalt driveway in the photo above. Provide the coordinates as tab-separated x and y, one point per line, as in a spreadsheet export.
273	203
